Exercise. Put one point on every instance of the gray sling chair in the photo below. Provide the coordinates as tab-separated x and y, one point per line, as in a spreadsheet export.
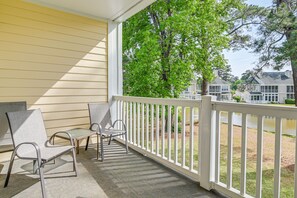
30	142
5	137
100	118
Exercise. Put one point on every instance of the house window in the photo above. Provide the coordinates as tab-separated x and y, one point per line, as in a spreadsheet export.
271	97
290	96
290	88
225	88
214	89
269	89
256	97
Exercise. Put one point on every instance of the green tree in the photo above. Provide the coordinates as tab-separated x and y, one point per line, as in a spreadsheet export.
212	36
164	44
157	60
277	42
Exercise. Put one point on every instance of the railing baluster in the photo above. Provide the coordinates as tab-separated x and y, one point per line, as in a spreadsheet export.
163	131
176	134
277	159
138	124
218	150
142	125
122	115
191	138
131	122
157	130
295	166
128	123
243	154
230	150
259	157
134	123
152	128
147	126
169	132
183	144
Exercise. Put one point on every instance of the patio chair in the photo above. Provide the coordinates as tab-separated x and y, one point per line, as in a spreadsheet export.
30	142
100	118
5	137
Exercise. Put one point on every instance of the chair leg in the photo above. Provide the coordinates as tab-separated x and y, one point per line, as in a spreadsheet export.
88	139
42	183
110	140
74	161
126	140
9	168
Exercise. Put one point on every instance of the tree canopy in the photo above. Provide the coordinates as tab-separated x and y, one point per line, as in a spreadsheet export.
277	41
170	40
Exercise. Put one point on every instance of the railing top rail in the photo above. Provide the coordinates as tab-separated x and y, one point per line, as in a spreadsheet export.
257	109
160	101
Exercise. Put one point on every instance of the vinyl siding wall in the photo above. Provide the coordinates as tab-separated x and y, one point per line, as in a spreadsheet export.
54	60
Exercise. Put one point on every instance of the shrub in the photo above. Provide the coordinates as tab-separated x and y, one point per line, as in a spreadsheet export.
237	98
290	101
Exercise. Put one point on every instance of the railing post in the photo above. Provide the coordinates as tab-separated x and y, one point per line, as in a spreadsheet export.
207	146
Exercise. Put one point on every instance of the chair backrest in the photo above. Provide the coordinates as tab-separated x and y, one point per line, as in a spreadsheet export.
5	136
27	126
100	113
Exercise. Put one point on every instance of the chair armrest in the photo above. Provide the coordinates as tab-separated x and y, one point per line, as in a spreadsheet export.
36	147
98	129
123	124
64	132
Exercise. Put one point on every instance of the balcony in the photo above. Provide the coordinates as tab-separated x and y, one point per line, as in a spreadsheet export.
60	57
121	175
213	149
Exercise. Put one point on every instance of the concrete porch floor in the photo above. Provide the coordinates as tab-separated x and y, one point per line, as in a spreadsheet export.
120	175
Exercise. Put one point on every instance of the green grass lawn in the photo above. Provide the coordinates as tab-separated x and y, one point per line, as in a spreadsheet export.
287	173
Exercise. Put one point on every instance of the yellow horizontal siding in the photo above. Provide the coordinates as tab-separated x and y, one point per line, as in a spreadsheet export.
53	13
53	42
54	61
10	46
33	83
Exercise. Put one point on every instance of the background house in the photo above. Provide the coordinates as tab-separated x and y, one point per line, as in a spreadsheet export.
218	87
269	87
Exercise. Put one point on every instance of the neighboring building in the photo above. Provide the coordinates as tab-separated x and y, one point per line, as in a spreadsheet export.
218	87
270	87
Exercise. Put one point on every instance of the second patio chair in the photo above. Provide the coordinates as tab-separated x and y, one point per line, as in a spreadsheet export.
100	118
30	142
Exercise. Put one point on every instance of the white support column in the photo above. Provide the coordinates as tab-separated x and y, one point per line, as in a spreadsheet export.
115	74
207	129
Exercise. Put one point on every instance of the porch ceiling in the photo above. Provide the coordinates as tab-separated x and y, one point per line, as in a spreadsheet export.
115	10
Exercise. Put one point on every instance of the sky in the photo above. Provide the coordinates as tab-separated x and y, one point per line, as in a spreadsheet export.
243	60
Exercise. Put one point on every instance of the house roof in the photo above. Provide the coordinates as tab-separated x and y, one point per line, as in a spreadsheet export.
219	81
115	10
274	78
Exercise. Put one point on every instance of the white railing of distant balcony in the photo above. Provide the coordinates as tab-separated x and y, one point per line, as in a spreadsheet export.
163	129
146	118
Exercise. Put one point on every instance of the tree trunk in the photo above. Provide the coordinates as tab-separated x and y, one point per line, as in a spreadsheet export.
294	70
204	87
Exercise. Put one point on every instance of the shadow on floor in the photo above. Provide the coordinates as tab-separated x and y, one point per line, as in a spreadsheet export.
17	184
134	175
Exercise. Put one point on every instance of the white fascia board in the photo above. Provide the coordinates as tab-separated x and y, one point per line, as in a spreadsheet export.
133	10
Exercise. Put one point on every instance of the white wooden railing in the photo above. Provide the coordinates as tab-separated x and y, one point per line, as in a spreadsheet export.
195	151
148	121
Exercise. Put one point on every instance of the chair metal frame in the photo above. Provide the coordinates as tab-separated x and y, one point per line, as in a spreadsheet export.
107	133
40	162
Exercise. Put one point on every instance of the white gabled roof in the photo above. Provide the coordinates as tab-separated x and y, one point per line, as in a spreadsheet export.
115	10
